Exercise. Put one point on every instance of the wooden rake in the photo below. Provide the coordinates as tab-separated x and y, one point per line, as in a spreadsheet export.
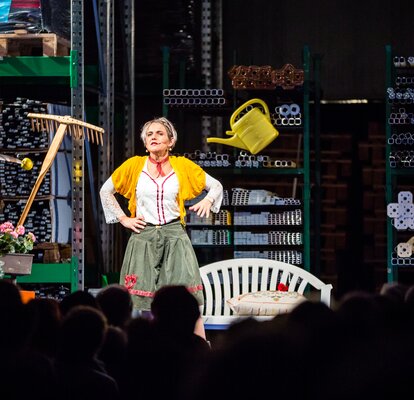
59	124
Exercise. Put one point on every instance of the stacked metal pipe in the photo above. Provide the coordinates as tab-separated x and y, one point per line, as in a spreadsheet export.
194	97
401	117
401	159
223	217
39	220
15	126
288	256
268	238
404	80
209	159
395	260
15	181
402	62
287	115
288	77
251	77
225	202
400	95
245	160
244	197
210	237
265	77
290	217
406	138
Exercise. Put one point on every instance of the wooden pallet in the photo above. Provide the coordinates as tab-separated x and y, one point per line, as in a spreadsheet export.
21	43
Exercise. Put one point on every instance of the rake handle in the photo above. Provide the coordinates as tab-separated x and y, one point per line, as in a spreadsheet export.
47	163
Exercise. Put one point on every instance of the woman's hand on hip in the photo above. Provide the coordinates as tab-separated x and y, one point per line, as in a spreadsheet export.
136	224
202	208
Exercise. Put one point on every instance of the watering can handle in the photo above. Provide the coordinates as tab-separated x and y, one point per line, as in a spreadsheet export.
247	103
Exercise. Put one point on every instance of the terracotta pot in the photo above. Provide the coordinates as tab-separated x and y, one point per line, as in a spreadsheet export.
17	264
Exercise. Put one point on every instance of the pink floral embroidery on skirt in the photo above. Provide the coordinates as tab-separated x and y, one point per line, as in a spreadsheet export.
130	281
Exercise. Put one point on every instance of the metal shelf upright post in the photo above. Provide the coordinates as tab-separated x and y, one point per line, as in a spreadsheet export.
78	165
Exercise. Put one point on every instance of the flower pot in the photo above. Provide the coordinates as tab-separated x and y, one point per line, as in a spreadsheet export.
17	264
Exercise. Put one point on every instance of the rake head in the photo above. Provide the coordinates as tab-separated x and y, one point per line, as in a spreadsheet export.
77	129
60	126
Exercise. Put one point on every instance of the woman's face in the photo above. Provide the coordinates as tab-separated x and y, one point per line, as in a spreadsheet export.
157	140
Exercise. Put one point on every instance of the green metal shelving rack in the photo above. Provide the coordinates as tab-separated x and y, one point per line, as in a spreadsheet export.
393	175
30	70
65	70
303	171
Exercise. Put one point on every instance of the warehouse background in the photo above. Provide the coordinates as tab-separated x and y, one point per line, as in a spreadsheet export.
349	39
346	39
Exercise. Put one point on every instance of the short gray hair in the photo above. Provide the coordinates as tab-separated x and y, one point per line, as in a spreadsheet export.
169	127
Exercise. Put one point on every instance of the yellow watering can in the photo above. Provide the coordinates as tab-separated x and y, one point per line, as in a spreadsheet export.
253	131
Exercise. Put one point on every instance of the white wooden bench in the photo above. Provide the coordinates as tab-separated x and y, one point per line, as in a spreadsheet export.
226	279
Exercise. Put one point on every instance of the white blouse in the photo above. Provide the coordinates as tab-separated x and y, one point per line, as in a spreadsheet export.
156	198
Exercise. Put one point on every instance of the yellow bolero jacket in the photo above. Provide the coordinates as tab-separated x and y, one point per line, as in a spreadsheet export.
191	179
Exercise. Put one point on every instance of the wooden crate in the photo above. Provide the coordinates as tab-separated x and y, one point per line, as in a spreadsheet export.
31	44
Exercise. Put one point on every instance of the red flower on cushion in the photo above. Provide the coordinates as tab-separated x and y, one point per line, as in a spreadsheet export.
130	281
282	287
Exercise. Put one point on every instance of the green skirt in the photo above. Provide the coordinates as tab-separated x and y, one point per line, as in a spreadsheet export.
157	256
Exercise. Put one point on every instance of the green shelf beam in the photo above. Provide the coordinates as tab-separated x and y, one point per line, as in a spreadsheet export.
26	66
53	273
46	70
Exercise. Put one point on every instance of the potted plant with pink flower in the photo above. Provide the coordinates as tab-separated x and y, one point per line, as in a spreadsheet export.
15	244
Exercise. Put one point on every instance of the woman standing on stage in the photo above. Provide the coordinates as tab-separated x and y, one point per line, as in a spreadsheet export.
159	251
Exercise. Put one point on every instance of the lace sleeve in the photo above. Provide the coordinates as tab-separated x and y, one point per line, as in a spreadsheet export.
215	192
112	209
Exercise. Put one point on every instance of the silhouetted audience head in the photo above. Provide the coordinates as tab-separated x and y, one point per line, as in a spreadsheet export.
394	291
359	315
175	308
82	333
45	319
12	317
78	298
116	303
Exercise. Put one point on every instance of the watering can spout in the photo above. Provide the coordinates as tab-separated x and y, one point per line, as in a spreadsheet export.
234	141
